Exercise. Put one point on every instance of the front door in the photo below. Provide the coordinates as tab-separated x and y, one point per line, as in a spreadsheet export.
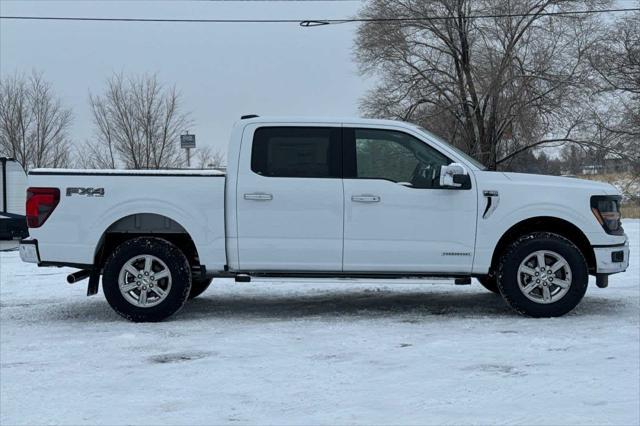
290	200
397	217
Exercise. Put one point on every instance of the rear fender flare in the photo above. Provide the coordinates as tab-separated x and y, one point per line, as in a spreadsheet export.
180	216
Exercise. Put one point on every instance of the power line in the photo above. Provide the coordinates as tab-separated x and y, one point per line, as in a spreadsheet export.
209	1
311	22
271	1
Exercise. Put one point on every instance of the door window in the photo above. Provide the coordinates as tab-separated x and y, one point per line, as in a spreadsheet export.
303	152
398	157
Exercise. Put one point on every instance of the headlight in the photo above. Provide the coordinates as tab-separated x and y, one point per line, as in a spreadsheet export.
606	209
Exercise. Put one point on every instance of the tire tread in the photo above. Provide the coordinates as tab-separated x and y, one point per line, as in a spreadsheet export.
170	254
509	254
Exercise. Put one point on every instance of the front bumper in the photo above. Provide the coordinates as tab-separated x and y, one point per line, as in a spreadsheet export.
29	251
612	259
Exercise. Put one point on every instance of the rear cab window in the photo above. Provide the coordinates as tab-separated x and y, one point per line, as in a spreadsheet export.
297	152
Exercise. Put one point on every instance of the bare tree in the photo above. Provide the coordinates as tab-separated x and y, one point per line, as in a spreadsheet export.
495	87
137	125
617	62
34	126
209	158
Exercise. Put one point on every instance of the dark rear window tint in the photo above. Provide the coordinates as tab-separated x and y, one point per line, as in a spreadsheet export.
307	152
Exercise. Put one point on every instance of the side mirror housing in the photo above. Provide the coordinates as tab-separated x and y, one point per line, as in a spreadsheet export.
454	176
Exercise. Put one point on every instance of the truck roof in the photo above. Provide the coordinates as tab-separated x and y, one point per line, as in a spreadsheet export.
327	120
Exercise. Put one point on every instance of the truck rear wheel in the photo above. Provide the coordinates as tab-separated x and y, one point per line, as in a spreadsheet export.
198	286
146	279
543	275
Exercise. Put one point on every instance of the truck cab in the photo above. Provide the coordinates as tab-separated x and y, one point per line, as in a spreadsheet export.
325	197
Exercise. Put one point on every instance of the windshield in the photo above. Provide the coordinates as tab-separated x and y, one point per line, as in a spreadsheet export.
458	151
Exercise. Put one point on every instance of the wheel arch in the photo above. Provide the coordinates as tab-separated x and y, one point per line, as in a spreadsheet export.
145	225
552	224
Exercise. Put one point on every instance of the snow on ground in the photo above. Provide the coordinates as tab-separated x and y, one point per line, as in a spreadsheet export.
339	352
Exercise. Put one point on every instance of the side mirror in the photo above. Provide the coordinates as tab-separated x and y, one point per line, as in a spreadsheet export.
454	176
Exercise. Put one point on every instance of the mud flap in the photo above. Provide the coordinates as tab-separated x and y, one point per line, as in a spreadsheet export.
602	280
94	281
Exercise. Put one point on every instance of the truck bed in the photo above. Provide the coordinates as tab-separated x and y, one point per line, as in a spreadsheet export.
92	201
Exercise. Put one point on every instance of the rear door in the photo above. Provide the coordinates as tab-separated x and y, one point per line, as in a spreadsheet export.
397	217
290	198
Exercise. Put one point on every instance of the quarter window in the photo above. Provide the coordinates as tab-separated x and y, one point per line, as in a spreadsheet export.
398	157
306	152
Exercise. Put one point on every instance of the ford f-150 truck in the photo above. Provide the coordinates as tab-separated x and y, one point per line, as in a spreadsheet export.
326	198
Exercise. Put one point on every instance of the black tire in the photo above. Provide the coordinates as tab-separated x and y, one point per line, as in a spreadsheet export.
524	247
177	265
490	283
198	286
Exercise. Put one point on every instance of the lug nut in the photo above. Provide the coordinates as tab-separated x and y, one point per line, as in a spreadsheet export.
537	281
146	273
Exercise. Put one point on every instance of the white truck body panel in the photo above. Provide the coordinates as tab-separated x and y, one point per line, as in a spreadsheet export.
525	196
415	227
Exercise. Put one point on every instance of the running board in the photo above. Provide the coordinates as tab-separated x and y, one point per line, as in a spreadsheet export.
247	276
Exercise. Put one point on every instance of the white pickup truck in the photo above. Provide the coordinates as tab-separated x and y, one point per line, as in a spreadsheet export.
326	198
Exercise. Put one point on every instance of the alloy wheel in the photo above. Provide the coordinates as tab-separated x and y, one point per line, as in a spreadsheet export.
544	276
144	281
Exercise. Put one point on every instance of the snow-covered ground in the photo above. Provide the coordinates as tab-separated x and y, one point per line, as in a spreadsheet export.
339	352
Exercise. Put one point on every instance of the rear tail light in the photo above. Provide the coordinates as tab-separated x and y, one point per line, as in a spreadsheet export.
606	209
40	205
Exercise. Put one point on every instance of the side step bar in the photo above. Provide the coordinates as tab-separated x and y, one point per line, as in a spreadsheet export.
245	278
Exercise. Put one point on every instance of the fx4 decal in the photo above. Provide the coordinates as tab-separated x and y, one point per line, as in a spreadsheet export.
88	192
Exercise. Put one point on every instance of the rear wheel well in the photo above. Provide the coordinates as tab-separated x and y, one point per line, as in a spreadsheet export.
545	224
145	225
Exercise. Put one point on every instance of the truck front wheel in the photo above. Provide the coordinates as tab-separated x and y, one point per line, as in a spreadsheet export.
146	279
543	275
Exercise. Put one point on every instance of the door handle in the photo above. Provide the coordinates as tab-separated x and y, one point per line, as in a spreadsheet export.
365	198
258	196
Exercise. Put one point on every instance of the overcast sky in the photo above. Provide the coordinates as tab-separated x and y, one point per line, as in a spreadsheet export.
222	70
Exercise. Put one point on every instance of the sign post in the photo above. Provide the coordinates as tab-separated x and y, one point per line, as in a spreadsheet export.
187	142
